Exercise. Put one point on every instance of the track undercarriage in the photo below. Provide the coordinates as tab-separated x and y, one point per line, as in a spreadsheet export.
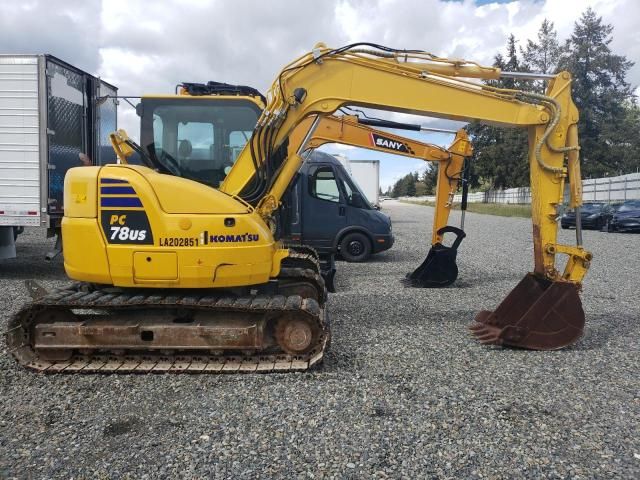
279	326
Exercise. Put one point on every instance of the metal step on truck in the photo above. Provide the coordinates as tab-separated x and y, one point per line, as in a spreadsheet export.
53	116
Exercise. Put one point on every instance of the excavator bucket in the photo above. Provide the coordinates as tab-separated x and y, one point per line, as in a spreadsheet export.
538	314
439	269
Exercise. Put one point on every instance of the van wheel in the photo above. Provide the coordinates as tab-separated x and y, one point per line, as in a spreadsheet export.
355	247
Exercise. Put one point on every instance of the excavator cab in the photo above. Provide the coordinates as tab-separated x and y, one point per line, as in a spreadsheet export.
197	137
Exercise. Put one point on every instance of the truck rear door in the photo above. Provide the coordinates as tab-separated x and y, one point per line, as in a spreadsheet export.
66	109
20	141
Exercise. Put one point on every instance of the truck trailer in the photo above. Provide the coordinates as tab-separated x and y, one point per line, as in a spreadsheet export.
53	116
366	173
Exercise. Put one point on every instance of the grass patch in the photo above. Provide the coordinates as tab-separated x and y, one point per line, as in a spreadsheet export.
499	209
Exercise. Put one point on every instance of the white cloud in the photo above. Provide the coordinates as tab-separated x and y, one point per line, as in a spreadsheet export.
149	47
344	148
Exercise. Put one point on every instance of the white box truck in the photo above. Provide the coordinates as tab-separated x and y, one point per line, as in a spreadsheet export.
50	113
366	173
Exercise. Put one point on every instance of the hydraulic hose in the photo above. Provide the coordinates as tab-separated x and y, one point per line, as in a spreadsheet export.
554	106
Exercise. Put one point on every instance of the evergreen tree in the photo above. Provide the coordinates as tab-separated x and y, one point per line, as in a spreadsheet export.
421	189
601	94
430	179
624	141
510	63
500	157
406	186
542	56
411	184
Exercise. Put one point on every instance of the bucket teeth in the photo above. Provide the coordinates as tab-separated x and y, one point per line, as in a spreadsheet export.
538	314
486	334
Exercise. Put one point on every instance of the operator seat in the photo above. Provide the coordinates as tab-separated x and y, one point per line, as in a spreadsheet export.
184	149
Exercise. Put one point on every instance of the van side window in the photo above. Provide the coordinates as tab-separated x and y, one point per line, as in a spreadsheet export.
324	186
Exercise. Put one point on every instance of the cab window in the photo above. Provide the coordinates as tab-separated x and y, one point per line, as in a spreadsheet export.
195	140
157	129
237	140
324	186
201	138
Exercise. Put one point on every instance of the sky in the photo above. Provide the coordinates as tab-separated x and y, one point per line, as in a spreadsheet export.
146	46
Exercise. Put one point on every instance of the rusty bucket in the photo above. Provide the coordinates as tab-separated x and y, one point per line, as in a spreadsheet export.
538	314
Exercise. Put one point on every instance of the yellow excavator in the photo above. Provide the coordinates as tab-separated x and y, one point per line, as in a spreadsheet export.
174	275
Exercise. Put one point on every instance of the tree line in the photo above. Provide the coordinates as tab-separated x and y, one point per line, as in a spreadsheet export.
609	114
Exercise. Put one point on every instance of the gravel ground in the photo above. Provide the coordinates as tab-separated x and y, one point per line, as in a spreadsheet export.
404	392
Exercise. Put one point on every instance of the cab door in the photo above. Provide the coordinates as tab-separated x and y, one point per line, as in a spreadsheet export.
323	207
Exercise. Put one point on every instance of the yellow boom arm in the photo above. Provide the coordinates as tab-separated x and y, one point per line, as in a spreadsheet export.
348	131
321	82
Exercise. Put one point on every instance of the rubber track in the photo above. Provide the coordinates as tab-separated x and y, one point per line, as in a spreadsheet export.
304	251
75	297
307	255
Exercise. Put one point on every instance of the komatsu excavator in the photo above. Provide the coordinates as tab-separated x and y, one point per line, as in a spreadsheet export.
177	276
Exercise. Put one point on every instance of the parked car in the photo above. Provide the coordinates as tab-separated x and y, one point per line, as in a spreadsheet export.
593	215
626	217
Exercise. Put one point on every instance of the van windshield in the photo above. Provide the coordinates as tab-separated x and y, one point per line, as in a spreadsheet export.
351	186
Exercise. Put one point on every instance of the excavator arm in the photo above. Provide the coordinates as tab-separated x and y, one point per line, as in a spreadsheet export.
415	82
439	268
320	83
348	130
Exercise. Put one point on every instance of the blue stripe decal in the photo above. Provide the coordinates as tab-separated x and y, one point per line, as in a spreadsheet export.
112	180
117	191
120	202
